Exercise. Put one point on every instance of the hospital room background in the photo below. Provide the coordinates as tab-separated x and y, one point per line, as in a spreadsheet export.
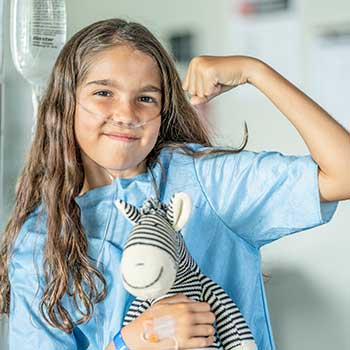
308	41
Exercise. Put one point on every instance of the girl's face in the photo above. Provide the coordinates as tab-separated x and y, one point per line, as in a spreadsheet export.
122	84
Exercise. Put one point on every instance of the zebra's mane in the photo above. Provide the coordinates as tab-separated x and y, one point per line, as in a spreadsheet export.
154	206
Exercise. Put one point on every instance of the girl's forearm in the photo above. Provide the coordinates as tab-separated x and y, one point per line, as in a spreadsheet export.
327	141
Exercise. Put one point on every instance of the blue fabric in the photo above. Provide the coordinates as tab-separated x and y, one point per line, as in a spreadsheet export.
240	202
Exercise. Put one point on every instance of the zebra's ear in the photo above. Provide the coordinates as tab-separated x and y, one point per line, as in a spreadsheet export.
128	210
179	210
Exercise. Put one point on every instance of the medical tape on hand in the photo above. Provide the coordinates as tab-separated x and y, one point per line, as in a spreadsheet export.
157	329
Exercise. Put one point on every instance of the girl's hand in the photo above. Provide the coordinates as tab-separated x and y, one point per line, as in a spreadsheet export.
210	76
193	323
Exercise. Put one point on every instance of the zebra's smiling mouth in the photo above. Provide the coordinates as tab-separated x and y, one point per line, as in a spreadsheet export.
147	285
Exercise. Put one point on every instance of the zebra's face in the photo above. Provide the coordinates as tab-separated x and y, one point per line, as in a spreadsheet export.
150	257
149	261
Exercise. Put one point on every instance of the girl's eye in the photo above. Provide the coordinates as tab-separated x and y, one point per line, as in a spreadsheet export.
147	99
103	93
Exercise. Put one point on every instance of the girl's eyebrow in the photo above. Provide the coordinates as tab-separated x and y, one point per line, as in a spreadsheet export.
113	83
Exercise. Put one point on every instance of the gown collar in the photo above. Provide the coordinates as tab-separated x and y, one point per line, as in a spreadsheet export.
147	182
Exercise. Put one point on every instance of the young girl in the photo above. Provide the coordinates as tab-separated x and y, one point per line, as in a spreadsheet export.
115	124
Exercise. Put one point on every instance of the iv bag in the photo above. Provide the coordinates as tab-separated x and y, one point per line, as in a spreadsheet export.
38	32
1	36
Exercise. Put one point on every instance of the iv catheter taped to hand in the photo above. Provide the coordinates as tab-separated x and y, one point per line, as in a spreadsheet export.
158	329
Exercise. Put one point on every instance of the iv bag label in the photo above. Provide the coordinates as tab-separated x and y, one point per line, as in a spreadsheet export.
48	23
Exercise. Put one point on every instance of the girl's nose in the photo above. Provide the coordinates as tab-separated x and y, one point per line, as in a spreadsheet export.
123	115
123	110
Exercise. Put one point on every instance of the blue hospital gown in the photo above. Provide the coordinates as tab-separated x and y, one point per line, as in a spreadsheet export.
240	202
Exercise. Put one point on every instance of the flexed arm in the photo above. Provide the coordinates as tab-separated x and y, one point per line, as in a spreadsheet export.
327	141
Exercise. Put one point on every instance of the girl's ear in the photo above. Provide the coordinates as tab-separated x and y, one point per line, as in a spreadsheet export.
128	210
179	210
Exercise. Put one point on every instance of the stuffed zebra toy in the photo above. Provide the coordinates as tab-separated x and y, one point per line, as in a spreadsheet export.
156	264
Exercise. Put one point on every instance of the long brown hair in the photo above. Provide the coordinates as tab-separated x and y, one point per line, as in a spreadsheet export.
53	173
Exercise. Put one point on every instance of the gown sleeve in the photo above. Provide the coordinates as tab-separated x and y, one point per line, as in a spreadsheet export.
27	328
263	196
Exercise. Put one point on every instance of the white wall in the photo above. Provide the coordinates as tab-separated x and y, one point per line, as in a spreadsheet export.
308	293
15	123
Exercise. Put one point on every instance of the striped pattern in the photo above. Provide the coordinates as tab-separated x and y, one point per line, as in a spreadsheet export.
153	228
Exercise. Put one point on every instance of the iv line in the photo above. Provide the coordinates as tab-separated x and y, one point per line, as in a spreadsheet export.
155	187
154	183
108	222
121	124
